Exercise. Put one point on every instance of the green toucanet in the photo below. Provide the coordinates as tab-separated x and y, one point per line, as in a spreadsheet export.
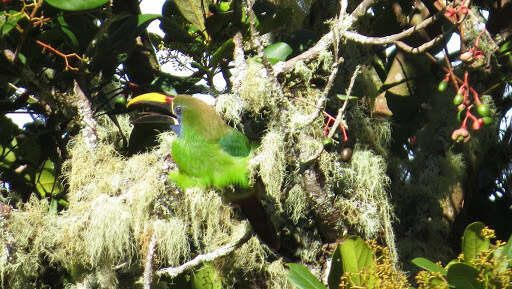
209	154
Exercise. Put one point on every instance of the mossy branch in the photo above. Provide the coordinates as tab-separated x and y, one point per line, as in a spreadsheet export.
200	259
86	115
148	271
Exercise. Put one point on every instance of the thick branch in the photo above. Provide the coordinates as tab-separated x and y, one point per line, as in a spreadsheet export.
87	118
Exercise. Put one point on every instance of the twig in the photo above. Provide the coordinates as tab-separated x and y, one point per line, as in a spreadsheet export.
346	23
449	66
26	31
422	48
320	104
65	56
359	38
239	62
341	111
199	259
148	266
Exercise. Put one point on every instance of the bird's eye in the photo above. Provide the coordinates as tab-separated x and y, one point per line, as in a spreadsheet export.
178	109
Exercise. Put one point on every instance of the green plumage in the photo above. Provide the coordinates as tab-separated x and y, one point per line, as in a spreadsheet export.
208	152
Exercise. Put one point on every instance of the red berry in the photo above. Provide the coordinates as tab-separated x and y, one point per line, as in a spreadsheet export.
476	125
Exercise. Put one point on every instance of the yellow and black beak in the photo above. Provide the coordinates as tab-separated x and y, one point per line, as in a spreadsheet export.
156	107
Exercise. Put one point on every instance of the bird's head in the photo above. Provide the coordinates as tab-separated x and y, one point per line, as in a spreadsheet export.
179	110
156	108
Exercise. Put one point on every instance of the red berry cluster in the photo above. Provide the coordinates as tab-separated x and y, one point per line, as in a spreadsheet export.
456	11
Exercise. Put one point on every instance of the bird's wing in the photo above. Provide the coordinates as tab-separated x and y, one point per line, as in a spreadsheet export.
235	144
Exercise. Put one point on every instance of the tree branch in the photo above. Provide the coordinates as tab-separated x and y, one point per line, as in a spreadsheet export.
89	124
148	266
425	46
359	38
345	23
324	42
199	259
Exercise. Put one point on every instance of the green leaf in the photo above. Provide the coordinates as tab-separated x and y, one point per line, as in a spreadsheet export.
504	256
463	276
506	48
336	269
343	97
193	11
357	256
7	154
300	276
45	180
472	242
278	51
206	278
428	265
66	30
143	19
76	5
8	22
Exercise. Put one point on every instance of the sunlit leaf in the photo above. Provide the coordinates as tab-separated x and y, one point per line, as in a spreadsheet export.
463	276
76	5
357	256
194	11
206	278
428	265
46	181
472	241
343	97
277	52
504	256
300	276
8	21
